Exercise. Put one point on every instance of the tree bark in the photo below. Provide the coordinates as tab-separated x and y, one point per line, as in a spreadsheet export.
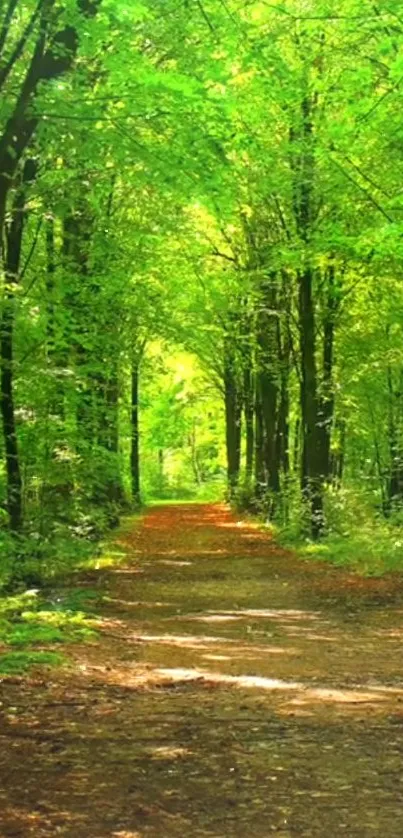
249	409
12	261
260	470
303	163
326	400
233	408
135	436
268	375
312	474
46	63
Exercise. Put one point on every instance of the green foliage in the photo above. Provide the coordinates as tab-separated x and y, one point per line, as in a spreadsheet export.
17	663
182	445
200	161
357	537
28	621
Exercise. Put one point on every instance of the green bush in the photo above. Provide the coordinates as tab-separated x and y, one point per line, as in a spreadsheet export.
358	536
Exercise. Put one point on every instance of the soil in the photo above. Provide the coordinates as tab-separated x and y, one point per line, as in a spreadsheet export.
234	690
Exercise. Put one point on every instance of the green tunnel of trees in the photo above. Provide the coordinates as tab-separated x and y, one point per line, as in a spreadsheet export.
201	242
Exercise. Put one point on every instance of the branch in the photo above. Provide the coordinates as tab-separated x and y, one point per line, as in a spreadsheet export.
18	49
216	252
364	191
205	16
6	23
32	249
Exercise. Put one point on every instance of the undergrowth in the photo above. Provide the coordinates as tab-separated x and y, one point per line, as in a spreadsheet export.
35	621
30	623
357	535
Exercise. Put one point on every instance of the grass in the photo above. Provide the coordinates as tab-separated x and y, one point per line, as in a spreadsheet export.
30	624
17	663
33	622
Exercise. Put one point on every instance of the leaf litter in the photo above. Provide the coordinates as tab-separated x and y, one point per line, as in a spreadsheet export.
233	690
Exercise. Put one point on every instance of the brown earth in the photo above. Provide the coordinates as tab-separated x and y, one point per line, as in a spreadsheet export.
234	691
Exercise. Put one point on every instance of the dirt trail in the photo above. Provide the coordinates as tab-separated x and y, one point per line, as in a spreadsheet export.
234	691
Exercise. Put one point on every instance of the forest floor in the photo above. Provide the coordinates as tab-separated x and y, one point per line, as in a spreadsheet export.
233	690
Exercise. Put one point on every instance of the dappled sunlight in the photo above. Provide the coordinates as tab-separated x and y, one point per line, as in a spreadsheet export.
327	638
175	563
277	614
232	525
139	603
216	618
154	725
125	834
306	694
200	641
216	657
248	681
30	820
165	752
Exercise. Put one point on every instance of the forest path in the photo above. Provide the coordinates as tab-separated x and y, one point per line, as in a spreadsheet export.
234	691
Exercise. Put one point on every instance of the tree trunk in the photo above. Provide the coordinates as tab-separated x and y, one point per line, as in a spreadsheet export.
135	438
233	407
326	400
268	374
12	260
283	428
296	456
303	163
161	475
260	471
248	404
14	483
338	456
312	477
395	481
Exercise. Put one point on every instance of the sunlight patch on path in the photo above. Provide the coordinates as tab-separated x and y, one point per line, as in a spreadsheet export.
239	681
276	614
307	693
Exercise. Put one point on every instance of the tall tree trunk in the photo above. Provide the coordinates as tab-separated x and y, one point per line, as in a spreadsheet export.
249	411
14	483
284	353
260	470
268	376
283	429
313	478
233	412
161	475
395	481
50	281
296	456
135	435
12	261
338	456
326	400
77	243
303	163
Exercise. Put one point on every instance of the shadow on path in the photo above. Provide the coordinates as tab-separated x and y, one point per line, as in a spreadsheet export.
234	691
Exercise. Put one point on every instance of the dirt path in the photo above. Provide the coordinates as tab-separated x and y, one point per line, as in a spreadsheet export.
235	691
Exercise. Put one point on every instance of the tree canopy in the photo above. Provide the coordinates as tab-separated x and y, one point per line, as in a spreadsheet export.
201	240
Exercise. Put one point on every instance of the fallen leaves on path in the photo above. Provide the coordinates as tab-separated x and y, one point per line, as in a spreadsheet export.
234	691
